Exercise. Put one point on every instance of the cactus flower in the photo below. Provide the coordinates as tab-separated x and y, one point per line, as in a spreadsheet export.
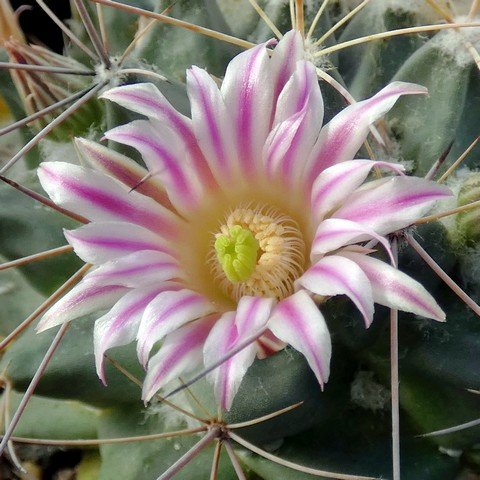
247	214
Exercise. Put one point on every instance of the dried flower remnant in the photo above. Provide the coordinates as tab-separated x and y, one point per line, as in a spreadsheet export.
51	79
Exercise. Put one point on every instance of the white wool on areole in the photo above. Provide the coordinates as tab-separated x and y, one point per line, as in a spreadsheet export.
455	43
423	11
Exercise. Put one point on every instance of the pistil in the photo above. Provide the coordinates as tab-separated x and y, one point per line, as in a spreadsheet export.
237	253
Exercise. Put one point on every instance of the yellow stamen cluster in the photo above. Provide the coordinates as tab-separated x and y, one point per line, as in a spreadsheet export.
258	251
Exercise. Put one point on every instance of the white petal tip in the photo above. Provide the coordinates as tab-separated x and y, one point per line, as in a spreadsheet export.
83	144
101	376
411	88
148	394
108	134
271	42
368	315
40	328
142	355
105	95
46	323
69	235
100	367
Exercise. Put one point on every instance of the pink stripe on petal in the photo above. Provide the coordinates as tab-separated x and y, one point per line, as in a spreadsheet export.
211	123
387	205
282	146
333	234
341	138
248	95
233	328
167	312
335	275
298	322
335	183
284	60
246	111
119	326
395	289
165	157
101	198
252	314
181	352
141	268
228	376
224	388
123	169
100	242
298	120
85	298
145	98
301	91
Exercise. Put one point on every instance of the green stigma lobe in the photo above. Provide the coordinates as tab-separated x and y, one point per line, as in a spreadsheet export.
237	253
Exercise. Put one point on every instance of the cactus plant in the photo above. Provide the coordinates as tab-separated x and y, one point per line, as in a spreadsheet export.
272	373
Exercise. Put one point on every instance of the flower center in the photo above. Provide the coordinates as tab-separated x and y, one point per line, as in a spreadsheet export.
237	253
257	251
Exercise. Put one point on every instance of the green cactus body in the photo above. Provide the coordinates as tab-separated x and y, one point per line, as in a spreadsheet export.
469	222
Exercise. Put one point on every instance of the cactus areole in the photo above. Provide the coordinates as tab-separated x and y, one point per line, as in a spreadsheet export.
247	213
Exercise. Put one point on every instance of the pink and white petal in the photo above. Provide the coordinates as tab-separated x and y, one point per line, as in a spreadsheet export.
227	377
337	182
123	169
387	205
146	99
298	122
181	352
169	311
252	315
218	343
284	60
341	138
166	158
334	233
100	197
285	147
84	299
120	325
298	322
248	95
335	275
100	242
143	268
212	125
395	289
234	327
302	90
